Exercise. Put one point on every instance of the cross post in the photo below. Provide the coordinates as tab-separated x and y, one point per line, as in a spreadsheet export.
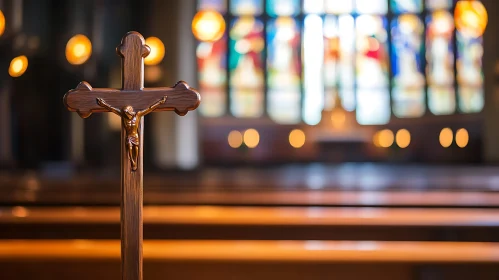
131	103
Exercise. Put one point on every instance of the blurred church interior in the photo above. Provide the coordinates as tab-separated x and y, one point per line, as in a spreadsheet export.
336	139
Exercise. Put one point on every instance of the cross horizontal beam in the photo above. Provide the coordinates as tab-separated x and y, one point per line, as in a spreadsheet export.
180	98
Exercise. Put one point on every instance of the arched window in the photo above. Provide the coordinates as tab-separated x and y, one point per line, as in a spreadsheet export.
291	59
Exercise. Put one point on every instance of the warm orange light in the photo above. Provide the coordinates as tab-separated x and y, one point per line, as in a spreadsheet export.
471	18
462	138
18	66
157	51
19	212
152	74
338	119
297	138
383	138
2	23
235	139
446	137
403	138
208	26
78	49
251	138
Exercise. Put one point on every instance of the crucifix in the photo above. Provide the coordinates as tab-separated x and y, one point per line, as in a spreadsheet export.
131	103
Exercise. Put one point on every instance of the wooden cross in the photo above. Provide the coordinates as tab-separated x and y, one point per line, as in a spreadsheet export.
131	103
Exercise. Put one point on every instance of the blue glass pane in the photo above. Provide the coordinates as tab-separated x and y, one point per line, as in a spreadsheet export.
218	5
246	7
283	7
469	73
283	68
406	6
408	78
440	62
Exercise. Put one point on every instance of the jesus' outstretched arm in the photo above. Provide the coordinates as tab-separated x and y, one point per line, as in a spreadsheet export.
104	104
152	107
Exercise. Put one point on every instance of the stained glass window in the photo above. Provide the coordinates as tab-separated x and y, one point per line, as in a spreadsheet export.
246	67
339	58
292	59
283	68
408	91
372	70
440	66
212	70
213	76
471	20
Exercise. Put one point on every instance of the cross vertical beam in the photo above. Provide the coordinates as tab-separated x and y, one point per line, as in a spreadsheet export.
132	51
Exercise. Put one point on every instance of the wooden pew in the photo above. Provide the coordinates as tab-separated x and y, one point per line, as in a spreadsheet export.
256	223
241	260
110	196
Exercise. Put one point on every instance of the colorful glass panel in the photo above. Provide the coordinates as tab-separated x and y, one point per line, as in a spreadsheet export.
246	7
372	55
440	63
471	21
339	56
407	66
373	99
283	68
283	7
406	6
246	67
469	73
211	58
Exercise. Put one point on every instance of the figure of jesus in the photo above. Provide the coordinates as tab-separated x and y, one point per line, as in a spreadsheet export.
131	121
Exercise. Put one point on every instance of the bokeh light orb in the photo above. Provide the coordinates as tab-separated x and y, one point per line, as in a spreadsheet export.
446	137
18	66
462	138
383	138
2	23
208	26
157	51
78	49
403	138
471	18
251	138
297	138
235	139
